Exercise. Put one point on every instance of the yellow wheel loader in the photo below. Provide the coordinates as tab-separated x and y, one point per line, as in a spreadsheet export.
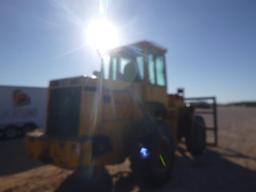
123	111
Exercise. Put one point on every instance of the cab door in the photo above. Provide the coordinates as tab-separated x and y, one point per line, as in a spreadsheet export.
156	86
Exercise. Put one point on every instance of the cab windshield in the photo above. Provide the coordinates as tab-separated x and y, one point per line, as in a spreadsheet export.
128	65
124	66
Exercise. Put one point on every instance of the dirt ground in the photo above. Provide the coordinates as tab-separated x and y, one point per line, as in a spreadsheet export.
229	167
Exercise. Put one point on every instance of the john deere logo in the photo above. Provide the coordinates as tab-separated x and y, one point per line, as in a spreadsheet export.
20	98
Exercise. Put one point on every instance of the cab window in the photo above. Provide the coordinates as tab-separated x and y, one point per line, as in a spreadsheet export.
114	68
140	62
160	71
156	70
106	67
123	63
123	68
131	69
151	69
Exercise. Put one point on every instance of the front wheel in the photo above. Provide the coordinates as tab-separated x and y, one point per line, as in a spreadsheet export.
153	156
161	162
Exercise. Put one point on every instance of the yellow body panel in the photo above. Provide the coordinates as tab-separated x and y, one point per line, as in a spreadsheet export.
63	153
35	145
115	121
157	94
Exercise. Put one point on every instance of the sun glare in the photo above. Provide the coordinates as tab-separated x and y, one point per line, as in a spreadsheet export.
102	35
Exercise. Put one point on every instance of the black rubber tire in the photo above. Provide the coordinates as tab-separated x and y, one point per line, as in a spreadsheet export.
11	132
196	136
84	179
152	170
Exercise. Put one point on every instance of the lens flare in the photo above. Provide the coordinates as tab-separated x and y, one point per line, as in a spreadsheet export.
102	34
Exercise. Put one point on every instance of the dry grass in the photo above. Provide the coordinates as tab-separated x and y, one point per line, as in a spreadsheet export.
238	129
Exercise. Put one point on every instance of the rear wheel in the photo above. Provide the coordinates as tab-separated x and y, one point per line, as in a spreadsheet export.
196	136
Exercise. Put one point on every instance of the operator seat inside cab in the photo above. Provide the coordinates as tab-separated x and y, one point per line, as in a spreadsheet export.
131	72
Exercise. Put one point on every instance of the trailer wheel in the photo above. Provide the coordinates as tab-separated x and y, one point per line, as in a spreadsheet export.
155	165
11	132
196	136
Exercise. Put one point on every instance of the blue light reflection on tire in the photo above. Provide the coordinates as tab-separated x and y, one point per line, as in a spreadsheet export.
144	152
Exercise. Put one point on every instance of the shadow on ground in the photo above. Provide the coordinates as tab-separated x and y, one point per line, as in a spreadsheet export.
13	157
211	172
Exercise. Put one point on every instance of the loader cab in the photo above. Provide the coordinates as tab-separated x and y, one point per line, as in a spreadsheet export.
142	64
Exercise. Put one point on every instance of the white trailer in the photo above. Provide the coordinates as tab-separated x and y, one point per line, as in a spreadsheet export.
22	109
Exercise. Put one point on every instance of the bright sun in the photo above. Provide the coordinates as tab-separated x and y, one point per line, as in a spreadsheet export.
102	35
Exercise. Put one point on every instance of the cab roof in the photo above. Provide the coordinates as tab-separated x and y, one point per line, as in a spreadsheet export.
137	48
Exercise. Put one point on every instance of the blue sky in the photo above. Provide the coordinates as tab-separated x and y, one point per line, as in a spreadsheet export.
211	43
